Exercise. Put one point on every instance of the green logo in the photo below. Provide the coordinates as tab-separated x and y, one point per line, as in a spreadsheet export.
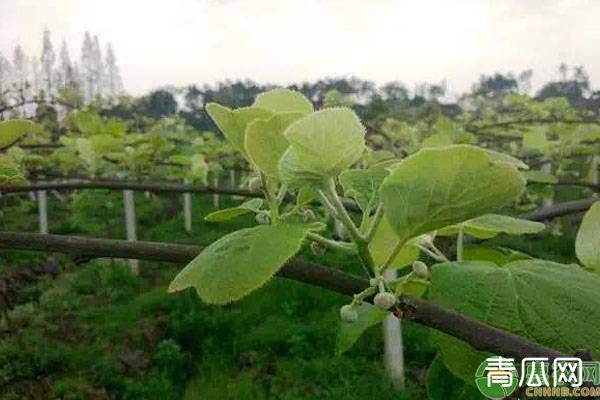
497	378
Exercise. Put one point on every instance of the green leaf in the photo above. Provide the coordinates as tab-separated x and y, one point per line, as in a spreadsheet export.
233	123
437	140
437	187
540	177
535	141
88	122
587	244
385	241
240	262
350	332
283	101
490	225
508	159
363	185
265	143
14	129
227	214
549	303
443	385
498	255
322	144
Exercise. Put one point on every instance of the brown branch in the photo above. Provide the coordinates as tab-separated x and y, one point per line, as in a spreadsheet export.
155	187
479	335
559	209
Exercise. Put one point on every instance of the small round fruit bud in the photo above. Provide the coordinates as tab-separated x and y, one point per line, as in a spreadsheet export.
308	216
420	269
317	248
384	300
254	184
348	313
262	219
373	282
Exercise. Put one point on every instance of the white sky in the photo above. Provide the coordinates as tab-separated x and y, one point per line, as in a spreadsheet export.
160	42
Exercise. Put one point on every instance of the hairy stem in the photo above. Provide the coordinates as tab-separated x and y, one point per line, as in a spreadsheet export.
375	224
332	244
460	242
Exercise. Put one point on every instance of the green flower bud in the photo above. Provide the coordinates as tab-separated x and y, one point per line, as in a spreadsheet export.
348	313
262	219
420	269
317	248
373	282
254	184
384	300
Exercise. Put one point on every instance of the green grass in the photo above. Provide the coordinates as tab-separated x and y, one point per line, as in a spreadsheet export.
98	332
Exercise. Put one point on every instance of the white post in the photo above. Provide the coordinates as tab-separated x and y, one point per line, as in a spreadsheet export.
43	211
594	173
232	178
216	185
187	211
129	203
547	168
393	349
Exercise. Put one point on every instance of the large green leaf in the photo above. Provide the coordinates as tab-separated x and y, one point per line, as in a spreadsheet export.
587	244
437	187
240	262
489	225
14	129
552	304
227	214
322	144
350	332
233	123
363	185
283	100
265	143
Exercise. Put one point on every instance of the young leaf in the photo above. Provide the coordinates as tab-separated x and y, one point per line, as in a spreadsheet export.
227	214
489	225
240	262
14	129
265	143
587	244
350	332
322	144
233	123
437	187
283	101
546	302
508	159
363	185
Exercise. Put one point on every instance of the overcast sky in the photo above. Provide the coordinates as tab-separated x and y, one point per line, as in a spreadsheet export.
160	42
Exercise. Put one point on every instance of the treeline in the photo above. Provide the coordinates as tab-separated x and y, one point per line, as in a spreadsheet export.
54	75
369	100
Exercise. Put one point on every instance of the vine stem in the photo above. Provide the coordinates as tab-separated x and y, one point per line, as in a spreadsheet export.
460	242
272	201
432	254
332	244
362	246
393	255
375	224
